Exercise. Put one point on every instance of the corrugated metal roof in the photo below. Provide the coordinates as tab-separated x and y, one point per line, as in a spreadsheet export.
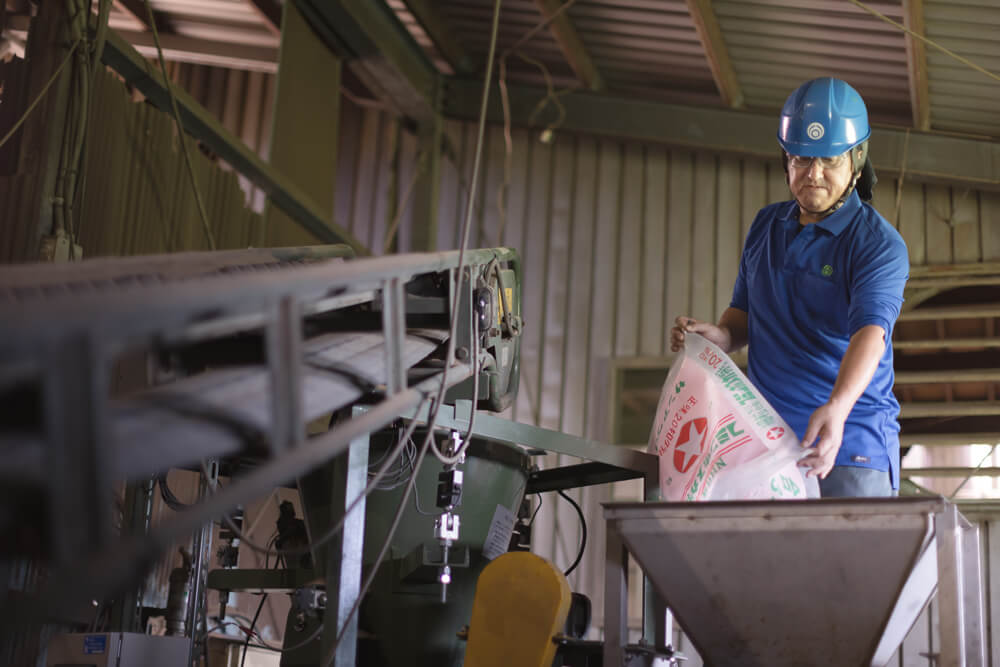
776	44
652	50
962	99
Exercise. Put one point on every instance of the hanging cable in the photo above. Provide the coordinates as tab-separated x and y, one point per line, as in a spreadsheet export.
41	93
180	127
583	532
336	528
460	278
929	42
253	624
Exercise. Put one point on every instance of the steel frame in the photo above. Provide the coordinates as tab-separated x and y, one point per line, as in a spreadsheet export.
950	565
69	341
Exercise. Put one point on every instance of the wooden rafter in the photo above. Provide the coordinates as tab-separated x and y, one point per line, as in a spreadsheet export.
269	12
429	17
916	57
715	51
571	45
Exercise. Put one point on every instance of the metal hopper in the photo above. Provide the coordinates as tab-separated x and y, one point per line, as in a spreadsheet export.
835	582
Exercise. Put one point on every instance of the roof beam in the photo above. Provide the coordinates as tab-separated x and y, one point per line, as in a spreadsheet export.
283	193
269	12
430	19
916	60
380	51
715	51
931	157
570	44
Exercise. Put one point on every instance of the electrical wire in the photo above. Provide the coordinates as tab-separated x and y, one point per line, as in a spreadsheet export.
531	521
253	623
333	531
929	42
41	93
180	127
583	532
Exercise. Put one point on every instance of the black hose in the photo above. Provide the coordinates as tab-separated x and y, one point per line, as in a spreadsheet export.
583	532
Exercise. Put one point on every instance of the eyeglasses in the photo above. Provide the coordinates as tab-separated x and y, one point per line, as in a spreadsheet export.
802	162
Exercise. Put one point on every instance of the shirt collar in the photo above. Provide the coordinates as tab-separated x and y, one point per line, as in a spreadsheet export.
834	223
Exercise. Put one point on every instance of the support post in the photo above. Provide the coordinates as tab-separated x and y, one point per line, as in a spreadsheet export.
615	598
427	189
950	588
972	595
345	553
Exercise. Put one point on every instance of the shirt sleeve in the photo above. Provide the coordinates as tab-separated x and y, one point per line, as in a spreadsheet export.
879	276
741	298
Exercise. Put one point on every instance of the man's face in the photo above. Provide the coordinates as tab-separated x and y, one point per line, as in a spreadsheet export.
817	183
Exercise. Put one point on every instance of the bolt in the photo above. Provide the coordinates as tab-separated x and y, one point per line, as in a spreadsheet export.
462	354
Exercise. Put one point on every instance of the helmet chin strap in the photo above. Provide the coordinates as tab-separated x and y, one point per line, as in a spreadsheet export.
837	204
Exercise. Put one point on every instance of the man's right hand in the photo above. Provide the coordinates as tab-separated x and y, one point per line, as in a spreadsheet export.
712	332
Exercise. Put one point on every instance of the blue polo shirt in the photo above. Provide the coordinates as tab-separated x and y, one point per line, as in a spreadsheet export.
806	290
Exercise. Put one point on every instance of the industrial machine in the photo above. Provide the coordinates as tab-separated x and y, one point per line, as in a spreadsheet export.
230	356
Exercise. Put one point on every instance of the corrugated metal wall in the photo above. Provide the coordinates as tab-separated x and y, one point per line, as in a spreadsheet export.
617	240
137	192
139	198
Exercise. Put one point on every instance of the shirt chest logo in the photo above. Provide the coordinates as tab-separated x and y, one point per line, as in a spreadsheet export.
827	270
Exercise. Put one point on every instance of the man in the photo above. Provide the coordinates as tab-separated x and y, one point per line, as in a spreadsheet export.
819	289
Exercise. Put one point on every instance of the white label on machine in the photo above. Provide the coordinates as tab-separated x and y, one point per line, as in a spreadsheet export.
501	528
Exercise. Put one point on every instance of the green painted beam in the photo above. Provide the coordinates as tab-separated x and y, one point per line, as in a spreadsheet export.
931	157
370	39
429	16
197	121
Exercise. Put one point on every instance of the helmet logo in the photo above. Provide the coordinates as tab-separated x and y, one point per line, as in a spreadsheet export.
815	131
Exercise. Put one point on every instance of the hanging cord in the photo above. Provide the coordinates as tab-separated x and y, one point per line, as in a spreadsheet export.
969	476
41	93
180	127
460	278
75	191
551	95
929	42
583	531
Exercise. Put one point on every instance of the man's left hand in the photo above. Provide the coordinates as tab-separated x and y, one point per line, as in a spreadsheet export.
826	431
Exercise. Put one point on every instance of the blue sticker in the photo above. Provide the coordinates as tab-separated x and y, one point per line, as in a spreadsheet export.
94	644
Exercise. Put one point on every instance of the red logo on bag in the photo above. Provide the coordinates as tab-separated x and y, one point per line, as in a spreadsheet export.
775	432
690	443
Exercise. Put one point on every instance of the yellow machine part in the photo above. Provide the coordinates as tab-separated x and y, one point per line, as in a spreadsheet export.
521	603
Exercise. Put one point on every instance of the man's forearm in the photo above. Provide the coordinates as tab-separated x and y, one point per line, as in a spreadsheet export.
734	323
857	367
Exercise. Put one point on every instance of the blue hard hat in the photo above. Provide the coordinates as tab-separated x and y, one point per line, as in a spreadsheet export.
823	118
